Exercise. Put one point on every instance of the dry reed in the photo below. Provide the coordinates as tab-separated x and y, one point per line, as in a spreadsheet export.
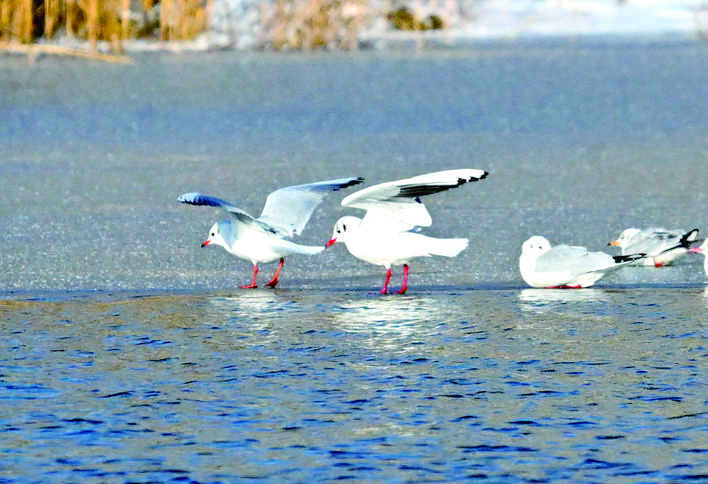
26	21
312	24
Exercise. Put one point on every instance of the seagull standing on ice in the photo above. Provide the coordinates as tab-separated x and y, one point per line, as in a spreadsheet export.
703	249
386	235
264	239
564	266
661	246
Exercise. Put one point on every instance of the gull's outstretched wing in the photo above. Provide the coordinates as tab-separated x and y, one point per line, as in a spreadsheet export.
397	204
195	198
288	209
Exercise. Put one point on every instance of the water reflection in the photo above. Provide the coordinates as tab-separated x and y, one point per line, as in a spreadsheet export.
682	272
253	302
253	309
294	316
564	308
305	381
387	314
389	322
543	300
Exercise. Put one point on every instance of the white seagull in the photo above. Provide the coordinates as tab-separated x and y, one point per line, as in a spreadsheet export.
661	246
564	266
703	249
264	239
387	234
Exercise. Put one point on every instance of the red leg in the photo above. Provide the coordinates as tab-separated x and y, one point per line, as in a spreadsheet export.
388	278
253	283
405	280
274	282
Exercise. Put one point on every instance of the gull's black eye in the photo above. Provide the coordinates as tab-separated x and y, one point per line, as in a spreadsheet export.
213	234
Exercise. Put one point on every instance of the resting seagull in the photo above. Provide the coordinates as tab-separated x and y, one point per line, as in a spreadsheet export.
564	266
386	235
264	239
661	246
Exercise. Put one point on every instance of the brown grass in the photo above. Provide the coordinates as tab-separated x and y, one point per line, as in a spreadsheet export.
312	24
26	21
285	24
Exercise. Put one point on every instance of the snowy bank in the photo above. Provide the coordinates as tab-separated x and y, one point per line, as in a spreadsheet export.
237	22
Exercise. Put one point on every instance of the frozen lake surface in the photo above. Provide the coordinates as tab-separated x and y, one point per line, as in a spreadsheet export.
129	354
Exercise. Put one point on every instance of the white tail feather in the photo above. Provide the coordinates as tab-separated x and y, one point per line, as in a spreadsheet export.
309	249
448	247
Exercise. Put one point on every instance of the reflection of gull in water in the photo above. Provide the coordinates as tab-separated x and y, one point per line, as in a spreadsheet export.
555	300
255	308
285	318
384	316
550	296
254	302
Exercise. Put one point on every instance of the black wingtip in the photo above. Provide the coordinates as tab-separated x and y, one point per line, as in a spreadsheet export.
355	181
688	238
350	183
629	257
414	191
462	181
195	198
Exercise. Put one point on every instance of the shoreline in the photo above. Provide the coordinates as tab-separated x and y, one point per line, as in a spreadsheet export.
389	41
235	25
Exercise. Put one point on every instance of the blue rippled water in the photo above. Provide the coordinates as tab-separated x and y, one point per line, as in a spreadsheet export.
499	386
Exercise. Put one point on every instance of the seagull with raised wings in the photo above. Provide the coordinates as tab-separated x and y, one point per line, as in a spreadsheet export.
265	239
387	235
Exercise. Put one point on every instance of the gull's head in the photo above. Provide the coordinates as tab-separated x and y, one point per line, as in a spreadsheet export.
535	246
216	236
342	229
531	250
624	237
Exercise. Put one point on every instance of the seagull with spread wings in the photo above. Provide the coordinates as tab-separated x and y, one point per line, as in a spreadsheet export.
388	233
265	239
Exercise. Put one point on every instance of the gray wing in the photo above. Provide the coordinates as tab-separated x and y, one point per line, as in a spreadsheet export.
657	241
195	198
288	209
652	241
576	260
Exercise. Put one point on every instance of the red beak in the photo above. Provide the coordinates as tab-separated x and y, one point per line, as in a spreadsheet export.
206	242
330	243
